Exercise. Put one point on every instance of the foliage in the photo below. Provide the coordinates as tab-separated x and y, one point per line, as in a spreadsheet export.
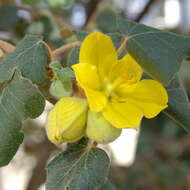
26	74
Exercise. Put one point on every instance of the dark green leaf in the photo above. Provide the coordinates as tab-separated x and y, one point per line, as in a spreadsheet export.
179	106
8	17
107	186
78	168
30	57
73	56
19	100
116	38
106	21
80	34
159	53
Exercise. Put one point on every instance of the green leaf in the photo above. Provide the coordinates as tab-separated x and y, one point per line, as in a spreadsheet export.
179	105
54	3
78	168
73	57
8	17
30	57
19	100
159	53
116	38
80	34
62	85
29	1
106	21
107	186
64	74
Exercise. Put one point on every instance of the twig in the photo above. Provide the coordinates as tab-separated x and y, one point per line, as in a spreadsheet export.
63	48
91	144
91	8
44	150
6	47
50	52
144	11
122	46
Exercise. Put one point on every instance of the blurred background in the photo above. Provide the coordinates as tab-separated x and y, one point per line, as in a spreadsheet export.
155	158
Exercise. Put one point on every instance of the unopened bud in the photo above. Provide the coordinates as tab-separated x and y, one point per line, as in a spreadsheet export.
66	121
101	130
58	90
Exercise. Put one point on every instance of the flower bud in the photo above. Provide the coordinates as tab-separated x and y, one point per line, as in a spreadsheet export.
100	130
66	121
58	90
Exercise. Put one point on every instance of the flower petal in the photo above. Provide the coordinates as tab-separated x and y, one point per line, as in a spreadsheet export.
87	75
97	49
122	115
148	95
127	69
96	99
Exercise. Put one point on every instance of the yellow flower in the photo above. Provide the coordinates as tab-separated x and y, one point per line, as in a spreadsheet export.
114	87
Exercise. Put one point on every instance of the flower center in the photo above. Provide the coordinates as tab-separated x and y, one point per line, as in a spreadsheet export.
109	88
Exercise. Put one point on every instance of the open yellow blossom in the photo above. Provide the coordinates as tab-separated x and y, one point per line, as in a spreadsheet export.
114	87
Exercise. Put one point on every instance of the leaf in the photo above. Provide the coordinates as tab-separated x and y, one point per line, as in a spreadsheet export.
107	186
62	86
106	21
179	105
159	53
30	57
78	168
116	38
10	13
54	3
29	1
61	73
73	57
19	100
80	34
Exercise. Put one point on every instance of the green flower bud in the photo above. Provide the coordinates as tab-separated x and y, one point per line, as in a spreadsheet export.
66	121
101	130
58	90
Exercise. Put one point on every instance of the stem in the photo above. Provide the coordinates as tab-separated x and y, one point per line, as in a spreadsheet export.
63	48
145	10
122	46
92	144
51	55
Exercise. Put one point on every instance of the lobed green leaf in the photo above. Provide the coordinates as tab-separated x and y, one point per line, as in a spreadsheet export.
30	57
19	100
73	57
78	168
179	105
159	53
